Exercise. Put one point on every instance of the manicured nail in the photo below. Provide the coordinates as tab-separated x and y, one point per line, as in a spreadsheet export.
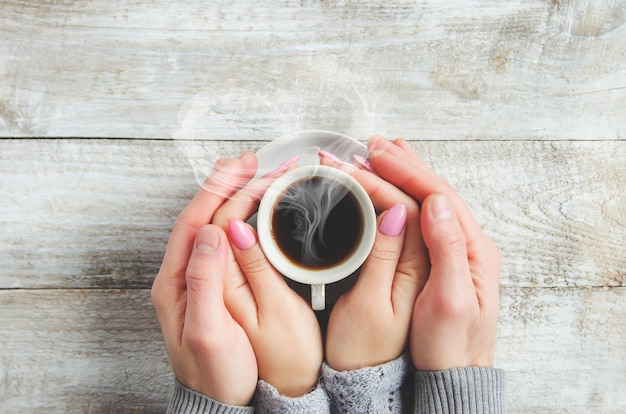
441	207
284	166
207	240
335	159
329	155
394	220
363	163
240	234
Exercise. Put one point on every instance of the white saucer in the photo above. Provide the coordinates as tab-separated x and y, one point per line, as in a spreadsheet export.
306	144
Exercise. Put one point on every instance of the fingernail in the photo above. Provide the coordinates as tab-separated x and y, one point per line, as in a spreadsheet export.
207	240
441	207
377	145
246	154
335	159
284	166
329	155
394	220
240	234
363	163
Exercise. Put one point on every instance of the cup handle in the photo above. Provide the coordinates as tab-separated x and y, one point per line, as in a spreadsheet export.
318	297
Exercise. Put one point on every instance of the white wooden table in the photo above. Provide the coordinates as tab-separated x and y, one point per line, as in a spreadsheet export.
105	105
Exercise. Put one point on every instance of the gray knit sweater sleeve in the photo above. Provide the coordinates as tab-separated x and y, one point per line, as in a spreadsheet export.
478	390
186	401
268	400
367	390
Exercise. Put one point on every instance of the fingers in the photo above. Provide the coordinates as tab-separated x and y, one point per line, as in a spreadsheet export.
205	281
244	203
447	248
170	283
398	164
383	194
226	178
377	274
449	328
267	285
413	263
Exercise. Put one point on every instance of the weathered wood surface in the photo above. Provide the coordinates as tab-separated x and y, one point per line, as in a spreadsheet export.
101	351
539	69
97	213
521	105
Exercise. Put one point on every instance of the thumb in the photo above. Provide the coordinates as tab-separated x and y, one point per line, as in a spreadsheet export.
205	278
266	283
377	274
447	246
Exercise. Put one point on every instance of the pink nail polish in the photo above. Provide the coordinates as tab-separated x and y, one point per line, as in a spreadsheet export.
394	220
284	166
339	163
240	234
329	155
363	163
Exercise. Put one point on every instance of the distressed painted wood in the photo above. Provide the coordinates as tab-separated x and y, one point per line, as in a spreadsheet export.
100	351
521	105
97	213
562	349
90	351
539	69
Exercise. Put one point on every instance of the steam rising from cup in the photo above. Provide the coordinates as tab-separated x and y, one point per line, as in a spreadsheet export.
314	210
326	94
316	225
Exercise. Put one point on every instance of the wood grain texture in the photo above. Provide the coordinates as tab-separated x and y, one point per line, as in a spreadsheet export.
562	349
93	351
520	105
100	351
97	213
537	69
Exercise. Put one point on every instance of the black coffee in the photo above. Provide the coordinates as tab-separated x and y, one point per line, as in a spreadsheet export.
317	223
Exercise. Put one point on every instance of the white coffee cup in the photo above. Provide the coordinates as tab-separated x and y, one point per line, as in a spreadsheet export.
308	183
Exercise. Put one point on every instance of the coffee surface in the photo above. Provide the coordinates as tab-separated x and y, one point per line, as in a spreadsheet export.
317	223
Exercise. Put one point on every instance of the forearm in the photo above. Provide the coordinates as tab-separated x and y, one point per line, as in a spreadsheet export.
461	390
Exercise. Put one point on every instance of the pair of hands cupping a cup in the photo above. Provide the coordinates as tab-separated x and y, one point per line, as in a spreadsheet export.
229	318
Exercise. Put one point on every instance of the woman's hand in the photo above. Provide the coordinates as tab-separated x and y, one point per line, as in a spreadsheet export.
369	325
209	351
455	315
281	326
227	316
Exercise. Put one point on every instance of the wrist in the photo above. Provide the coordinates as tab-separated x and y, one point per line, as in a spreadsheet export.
296	386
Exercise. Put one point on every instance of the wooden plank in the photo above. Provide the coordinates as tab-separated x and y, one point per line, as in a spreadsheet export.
557	210
97	213
81	351
563	349
492	70
101	351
